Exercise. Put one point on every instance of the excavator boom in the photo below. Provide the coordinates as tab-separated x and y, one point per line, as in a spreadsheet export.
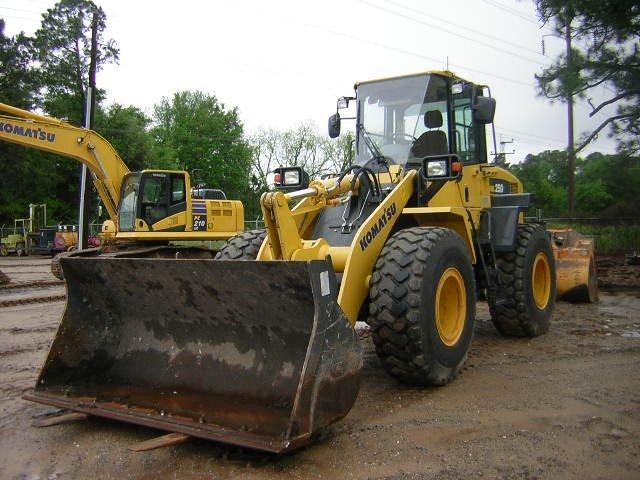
55	136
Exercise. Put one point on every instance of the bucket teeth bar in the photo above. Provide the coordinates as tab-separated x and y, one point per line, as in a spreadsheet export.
256	354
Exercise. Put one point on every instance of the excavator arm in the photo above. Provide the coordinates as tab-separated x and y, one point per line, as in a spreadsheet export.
56	136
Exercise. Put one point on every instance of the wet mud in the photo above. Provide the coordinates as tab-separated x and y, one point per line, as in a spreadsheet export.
563	405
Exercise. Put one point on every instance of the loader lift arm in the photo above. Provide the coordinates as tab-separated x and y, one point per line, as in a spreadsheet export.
356	261
56	136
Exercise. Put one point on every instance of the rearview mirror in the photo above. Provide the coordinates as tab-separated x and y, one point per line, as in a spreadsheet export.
484	110
334	125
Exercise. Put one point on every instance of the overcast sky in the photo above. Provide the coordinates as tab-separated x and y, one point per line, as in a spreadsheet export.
284	62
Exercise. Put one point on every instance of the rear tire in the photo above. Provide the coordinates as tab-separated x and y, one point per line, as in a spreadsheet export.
528	279
3	251
423	305
244	246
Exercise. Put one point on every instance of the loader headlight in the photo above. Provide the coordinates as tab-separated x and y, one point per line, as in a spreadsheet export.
291	178
441	167
437	168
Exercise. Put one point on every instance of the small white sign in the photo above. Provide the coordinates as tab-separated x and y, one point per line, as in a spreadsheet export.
324	283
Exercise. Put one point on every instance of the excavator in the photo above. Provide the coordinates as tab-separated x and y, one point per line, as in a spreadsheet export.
258	347
146	209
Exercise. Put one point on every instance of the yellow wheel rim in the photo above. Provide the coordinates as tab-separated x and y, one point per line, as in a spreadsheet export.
541	280
451	306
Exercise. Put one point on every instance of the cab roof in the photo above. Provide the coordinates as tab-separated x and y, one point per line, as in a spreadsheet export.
442	73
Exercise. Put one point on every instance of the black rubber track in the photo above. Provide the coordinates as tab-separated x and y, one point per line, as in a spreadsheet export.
402	315
517	315
244	246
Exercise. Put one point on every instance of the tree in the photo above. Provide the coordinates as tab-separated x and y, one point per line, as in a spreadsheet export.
608	185
126	129
193	131
19	80
63	45
301	146
18	84
608	32
545	175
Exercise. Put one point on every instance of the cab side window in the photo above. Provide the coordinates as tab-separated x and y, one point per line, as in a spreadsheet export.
177	189
464	128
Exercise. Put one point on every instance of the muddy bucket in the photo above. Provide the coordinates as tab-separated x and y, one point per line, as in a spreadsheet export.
257	354
576	278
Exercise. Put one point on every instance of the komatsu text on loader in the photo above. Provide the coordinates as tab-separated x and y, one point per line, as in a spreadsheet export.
146	209
258	347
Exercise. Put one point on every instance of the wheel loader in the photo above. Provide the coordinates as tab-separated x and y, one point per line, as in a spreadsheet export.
146	209
258	346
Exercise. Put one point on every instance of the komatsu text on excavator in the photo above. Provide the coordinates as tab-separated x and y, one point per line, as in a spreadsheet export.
258	347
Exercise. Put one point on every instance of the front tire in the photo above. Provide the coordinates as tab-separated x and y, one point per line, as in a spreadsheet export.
423	305
244	246
527	279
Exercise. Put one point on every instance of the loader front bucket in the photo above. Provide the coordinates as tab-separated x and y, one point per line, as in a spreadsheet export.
576	277
257	354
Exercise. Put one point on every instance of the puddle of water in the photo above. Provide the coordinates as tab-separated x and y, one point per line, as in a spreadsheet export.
631	334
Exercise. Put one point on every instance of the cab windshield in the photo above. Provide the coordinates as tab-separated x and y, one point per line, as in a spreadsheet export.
128	202
406	118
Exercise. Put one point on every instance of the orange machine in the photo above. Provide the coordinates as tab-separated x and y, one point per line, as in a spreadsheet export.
576	278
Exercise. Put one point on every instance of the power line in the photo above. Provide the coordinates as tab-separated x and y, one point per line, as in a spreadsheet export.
510	10
478	32
382	45
436	27
511	131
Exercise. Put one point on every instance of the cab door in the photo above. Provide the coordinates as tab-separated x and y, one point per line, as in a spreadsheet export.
163	201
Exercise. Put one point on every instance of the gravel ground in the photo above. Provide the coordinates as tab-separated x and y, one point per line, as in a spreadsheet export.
563	405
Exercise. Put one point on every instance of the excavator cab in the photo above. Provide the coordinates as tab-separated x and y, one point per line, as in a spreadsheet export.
153	201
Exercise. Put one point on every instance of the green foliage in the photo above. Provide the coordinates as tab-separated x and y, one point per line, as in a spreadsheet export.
545	175
193	131
19	81
18	84
126	129
51	70
63	45
610	239
607	33
607	186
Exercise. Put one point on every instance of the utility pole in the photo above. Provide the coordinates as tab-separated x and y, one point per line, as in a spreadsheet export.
503	155
86	191
571	155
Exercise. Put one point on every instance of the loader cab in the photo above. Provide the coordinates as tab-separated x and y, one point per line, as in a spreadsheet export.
152	200
412	117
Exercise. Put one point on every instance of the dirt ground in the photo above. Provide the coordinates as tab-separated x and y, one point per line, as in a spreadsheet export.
563	405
